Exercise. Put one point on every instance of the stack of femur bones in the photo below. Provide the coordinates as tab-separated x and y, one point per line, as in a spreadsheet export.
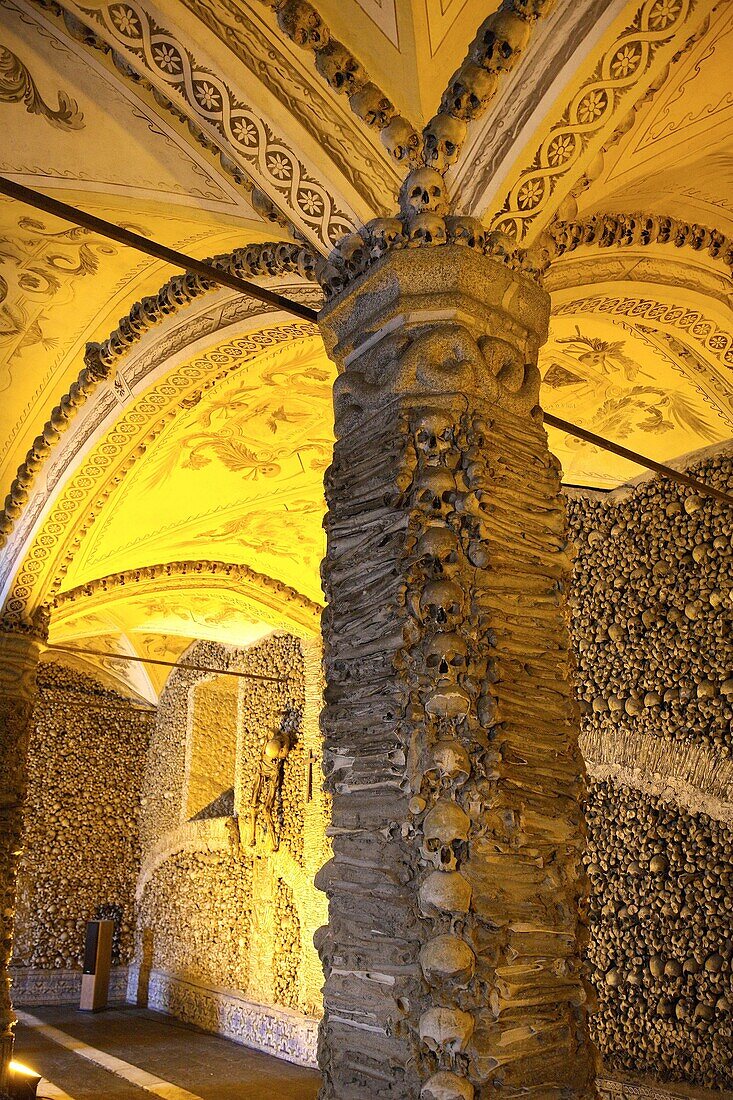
474	888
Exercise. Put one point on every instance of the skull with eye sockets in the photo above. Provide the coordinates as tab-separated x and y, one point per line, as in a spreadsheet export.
434	491
445	830
439	550
434	436
442	603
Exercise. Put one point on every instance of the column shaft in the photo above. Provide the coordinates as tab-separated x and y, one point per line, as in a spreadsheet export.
452	949
18	662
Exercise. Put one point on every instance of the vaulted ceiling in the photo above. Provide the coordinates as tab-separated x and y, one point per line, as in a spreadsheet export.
204	124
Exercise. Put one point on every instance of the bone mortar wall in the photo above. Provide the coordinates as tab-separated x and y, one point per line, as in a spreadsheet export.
652	613
651	634
218	917
81	847
661	917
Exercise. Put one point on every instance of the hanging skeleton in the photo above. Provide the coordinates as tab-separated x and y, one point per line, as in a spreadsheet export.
267	784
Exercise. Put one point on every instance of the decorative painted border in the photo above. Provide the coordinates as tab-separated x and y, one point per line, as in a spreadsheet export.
128	436
592	109
226	1012
632	230
33	986
370	174
269	161
716	342
100	360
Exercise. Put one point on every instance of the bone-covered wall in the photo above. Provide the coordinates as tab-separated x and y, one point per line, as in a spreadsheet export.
651	633
224	922
81	844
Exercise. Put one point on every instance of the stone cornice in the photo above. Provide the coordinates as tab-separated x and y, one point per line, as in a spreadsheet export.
359	252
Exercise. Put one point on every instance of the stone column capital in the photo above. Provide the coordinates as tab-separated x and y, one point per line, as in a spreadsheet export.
436	321
34	628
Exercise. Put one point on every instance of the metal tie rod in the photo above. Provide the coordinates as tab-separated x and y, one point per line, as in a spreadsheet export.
640	460
187	667
151	248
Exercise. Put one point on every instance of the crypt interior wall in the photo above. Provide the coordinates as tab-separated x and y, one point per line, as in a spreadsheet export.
224	931
81	848
225	927
651	635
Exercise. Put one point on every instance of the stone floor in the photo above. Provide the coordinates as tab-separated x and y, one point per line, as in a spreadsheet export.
131	1054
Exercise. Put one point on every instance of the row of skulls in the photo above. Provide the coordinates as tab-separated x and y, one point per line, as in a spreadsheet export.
627	230
499	42
424	222
440	657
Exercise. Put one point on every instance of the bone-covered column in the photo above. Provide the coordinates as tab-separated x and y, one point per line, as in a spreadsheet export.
452	952
19	650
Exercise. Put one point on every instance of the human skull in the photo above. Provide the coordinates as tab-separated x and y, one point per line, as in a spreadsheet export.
445	1085
627	229
445	892
443	137
530	9
401	139
699	237
446	657
426	229
384	234
445	829
448	700
470	91
446	1030
435	490
303	24
434	436
452	762
500	41
340	68
466	231
373	106
423	191
351	253
717	242
307	264
665	230
442	603
269	259
448	957
439	550
501	245
681	234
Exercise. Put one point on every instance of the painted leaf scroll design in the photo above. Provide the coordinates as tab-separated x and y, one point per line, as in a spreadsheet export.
18	86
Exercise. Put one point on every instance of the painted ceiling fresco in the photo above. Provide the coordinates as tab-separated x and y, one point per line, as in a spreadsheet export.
240	474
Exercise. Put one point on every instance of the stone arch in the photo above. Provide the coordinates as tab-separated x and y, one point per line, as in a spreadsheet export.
160	352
